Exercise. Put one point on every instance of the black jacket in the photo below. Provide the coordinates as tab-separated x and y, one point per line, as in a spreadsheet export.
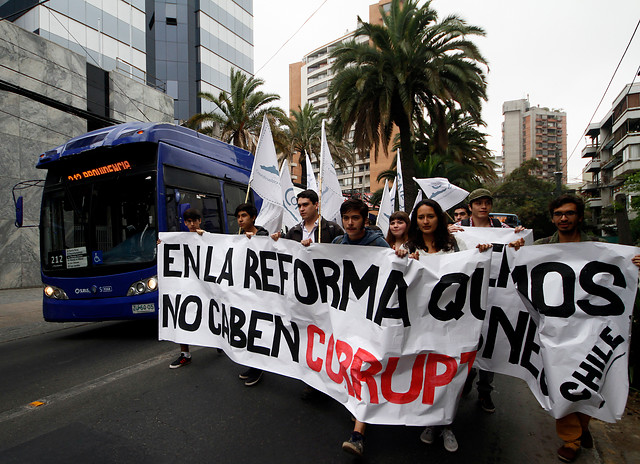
330	230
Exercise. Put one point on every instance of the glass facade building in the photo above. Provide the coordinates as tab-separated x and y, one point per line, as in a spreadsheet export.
179	46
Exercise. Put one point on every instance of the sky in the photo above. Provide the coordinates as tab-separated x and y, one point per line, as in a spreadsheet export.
560	53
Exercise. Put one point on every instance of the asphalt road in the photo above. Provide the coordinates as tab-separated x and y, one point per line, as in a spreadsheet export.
109	397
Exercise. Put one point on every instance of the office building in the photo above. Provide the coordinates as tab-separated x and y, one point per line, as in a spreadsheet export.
49	94
534	132
181	48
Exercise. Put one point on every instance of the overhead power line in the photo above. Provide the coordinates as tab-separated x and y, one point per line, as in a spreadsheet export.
605	93
292	36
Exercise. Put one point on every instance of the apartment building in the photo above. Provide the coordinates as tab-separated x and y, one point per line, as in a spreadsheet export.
613	150
309	82
534	132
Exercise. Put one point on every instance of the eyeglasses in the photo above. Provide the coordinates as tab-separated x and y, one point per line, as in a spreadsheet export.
568	214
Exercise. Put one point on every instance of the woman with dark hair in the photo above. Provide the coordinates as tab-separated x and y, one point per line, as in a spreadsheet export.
429	234
398	233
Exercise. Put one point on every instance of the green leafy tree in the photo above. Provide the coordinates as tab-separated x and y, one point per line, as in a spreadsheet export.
528	196
302	134
409	65
240	112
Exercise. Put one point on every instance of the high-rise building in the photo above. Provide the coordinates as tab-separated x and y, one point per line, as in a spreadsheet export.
192	46
309	82
179	47
534	132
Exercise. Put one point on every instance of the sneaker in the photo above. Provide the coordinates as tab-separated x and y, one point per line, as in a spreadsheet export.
355	444
566	454
468	384
253	378
246	374
181	361
428	435
486	404
449	439
586	440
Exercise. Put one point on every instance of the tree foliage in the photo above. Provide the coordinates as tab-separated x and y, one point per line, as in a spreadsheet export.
240	111
528	196
409	65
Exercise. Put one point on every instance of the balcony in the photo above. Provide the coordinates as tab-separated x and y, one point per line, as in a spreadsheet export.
590	151
595	202
625	168
590	186
593	166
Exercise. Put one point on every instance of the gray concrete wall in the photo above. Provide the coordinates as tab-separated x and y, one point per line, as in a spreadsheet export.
29	128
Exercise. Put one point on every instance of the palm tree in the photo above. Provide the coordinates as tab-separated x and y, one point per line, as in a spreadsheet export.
240	111
304	132
411	64
466	147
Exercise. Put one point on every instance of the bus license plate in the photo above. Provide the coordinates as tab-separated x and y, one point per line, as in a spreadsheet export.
143	308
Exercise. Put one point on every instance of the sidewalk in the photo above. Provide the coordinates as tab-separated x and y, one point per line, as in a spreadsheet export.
19	306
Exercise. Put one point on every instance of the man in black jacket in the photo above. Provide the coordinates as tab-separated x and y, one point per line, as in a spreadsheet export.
307	231
246	215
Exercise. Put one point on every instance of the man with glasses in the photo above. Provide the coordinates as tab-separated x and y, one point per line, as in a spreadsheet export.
567	214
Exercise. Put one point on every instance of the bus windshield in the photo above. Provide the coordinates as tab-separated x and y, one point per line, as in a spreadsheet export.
102	226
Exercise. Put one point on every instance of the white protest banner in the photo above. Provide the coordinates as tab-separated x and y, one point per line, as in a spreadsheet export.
415	203
552	353
265	180
400	183
311	178
385	210
291	216
392	339
441	190
581	297
331	197
507	323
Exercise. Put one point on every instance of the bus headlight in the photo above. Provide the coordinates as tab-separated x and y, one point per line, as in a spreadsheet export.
55	293
143	286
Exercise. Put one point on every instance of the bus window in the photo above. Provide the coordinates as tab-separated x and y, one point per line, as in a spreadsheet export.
234	195
179	200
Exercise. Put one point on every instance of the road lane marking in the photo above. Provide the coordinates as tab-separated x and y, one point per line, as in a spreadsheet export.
87	386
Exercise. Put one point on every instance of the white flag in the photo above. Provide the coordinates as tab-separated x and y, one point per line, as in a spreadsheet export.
418	200
331	192
265	180
442	191
311	178
400	184
291	216
392	196
385	210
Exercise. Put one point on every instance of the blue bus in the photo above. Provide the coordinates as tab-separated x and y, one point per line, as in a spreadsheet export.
106	196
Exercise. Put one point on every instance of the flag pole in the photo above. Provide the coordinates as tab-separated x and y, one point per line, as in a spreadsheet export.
320	175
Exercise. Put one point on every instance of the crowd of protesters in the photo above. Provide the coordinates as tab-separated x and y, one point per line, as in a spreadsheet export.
427	231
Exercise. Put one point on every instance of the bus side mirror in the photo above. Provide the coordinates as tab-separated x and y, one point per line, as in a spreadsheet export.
19	203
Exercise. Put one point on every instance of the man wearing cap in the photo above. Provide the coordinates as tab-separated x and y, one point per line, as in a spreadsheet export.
480	202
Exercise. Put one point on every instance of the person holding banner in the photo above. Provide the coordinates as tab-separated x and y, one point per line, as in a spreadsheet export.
480	203
354	213
567	214
398	233
192	219
429	234
246	214
307	231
